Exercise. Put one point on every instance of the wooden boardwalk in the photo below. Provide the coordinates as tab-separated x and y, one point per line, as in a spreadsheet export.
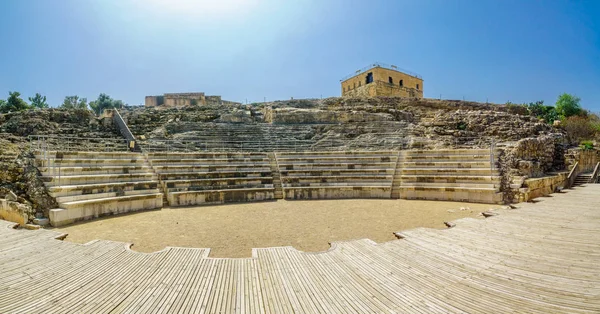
540	258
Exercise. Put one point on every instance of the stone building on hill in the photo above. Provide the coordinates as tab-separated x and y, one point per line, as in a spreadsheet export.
183	99
379	79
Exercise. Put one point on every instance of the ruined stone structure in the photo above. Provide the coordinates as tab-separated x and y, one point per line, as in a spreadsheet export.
382	80
183	99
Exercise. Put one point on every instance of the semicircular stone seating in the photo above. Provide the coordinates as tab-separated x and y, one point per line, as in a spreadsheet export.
330	175
540	258
205	178
92	184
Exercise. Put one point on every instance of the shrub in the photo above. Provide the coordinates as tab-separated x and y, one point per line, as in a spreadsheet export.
517	109
587	145
578	128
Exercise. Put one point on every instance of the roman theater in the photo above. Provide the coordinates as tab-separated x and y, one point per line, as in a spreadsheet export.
379	201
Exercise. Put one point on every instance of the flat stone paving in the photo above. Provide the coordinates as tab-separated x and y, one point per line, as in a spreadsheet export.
539	258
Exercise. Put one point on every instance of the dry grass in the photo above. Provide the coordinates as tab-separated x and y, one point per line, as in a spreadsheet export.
232	230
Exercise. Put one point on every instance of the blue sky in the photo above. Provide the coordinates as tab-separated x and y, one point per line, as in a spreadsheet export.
518	51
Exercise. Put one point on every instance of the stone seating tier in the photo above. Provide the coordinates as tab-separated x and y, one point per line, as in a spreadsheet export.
331	175
336	192
85	170
98	188
449	175
92	184
211	197
214	178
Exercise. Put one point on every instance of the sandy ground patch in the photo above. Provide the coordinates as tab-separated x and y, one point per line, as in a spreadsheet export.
232	230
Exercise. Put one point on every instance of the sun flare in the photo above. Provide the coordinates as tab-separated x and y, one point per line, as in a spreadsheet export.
202	7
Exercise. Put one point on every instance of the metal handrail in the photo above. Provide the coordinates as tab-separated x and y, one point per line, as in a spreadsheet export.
572	175
124	129
594	178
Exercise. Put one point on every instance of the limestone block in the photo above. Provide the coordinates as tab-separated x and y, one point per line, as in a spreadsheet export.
11	196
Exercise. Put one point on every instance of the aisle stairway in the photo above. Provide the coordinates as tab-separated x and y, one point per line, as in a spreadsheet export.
468	175
330	175
213	178
91	184
583	178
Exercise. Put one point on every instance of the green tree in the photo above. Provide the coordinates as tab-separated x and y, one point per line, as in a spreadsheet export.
74	102
541	111
568	105
38	101
14	103
105	102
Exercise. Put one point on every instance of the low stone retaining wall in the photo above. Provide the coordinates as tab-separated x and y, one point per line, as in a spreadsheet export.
14	212
538	187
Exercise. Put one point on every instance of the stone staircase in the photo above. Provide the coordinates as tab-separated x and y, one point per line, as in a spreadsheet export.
276	176
467	175
583	178
92	184
330	175
397	181
214	177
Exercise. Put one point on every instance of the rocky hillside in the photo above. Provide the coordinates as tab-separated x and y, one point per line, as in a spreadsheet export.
19	181
340	123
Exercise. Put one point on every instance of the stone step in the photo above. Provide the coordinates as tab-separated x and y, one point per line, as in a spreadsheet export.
88	155
207	155
188	198
217	182
447	164
88	162
71	190
215	162
450	179
82	197
335	172
446	158
460	194
449	171
451	185
215	174
219	187
327	184
447	152
341	178
69	171
211	168
336	192
51	181
89	209
349	155
340	165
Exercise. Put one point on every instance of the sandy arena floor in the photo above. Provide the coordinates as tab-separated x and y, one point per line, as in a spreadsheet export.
232	230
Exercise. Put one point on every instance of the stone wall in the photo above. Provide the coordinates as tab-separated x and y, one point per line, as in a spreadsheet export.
587	158
303	116
16	212
537	187
401	85
533	157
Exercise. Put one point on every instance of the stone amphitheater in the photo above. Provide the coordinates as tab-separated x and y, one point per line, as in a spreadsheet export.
62	167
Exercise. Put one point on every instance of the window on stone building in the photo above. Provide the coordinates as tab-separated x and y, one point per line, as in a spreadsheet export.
354	85
369	78
391	80
359	82
417	86
401	83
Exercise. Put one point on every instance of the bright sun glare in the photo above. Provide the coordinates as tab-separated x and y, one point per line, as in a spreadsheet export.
202	7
